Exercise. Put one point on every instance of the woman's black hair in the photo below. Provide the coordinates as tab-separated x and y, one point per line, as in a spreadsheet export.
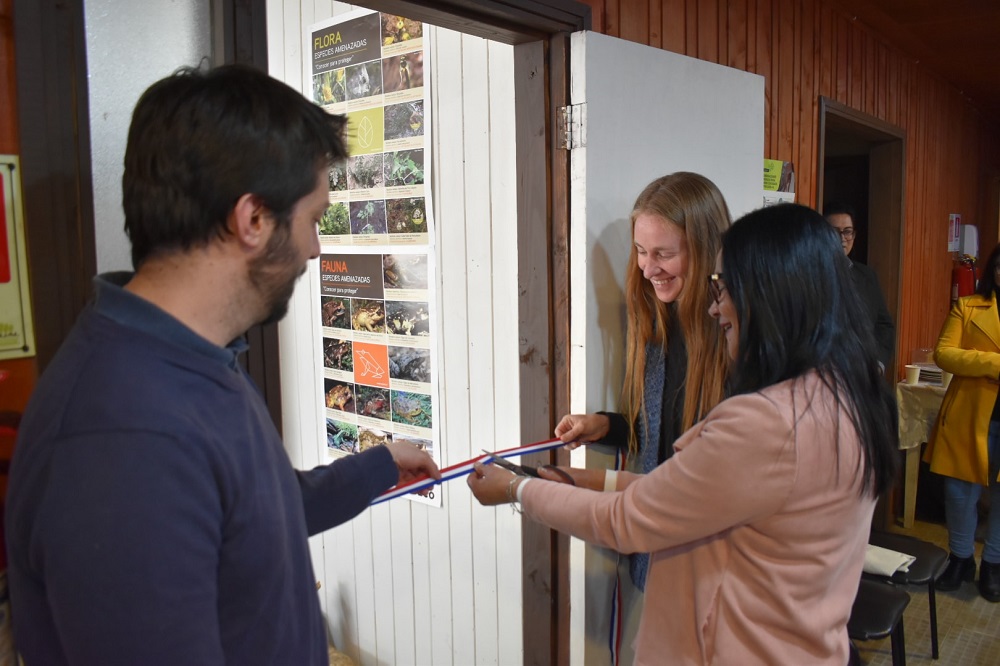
798	311
988	280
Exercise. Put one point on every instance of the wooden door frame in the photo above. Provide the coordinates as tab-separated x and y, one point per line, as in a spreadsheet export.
887	195
887	200
539	31
54	134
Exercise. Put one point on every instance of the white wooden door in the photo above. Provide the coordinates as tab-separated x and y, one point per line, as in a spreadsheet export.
646	113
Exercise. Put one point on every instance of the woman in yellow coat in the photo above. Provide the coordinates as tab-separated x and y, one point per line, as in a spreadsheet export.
965	448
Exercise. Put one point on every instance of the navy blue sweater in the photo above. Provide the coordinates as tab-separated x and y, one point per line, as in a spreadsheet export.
153	516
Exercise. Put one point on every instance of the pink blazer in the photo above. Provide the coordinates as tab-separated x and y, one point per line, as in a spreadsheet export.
757	527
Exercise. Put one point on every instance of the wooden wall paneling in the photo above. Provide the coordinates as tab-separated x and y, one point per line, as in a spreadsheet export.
475	100
612	13
785	79
691	28
841	71
722	33
869	74
764	68
826	50
799	81
883	81
455	378
674	26
633	22
708	31
859	77
808	108
375	560
656	24
753	58
503	133
894	85
425	609
737	34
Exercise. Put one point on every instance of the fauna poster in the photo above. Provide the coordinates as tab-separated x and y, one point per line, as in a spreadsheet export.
377	304
377	315
372	67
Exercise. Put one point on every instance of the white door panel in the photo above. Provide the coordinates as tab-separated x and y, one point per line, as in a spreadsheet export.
647	113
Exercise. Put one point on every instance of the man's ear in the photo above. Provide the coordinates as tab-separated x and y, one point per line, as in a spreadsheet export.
250	222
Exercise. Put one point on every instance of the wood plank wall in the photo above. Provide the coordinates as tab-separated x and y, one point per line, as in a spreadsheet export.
404	582
809	48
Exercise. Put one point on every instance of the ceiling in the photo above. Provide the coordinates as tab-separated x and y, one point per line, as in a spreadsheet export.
957	39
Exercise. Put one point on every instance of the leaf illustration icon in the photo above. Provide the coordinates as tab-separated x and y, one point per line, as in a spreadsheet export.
365	133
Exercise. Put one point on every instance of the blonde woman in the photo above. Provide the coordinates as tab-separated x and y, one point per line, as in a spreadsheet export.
674	360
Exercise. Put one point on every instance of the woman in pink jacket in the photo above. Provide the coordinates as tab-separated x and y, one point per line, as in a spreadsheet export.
758	524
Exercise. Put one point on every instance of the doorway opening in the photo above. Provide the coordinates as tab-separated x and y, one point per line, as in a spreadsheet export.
861	163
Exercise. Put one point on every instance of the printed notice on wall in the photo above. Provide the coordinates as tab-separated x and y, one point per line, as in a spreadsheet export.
377	299
17	337
371	67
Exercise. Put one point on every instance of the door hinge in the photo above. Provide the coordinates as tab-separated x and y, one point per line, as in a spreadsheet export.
572	126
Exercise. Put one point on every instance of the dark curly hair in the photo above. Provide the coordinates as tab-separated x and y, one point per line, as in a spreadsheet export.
202	138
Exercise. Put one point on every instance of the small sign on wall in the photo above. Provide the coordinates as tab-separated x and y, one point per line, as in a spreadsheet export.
779	182
17	338
954	232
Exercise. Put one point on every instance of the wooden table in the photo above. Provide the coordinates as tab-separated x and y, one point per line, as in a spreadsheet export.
918	406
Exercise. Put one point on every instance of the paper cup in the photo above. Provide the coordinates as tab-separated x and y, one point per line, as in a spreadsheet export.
912	374
946	378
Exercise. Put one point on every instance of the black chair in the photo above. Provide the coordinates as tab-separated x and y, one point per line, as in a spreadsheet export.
878	612
926	568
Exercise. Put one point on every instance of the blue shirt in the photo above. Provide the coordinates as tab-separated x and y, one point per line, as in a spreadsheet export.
153	516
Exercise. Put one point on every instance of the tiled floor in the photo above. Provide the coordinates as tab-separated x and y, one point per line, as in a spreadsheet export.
968	625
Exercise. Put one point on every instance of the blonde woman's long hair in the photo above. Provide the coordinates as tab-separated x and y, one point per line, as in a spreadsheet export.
694	204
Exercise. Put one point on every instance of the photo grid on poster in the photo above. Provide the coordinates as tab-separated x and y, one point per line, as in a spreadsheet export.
377	264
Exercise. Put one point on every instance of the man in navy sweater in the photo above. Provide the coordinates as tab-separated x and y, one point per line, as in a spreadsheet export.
153	515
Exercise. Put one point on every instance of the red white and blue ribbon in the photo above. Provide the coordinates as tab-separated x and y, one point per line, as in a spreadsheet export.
464	469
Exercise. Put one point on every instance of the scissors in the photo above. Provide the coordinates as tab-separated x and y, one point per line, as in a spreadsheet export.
528	470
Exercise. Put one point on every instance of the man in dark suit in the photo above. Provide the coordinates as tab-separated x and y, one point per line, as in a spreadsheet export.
841	217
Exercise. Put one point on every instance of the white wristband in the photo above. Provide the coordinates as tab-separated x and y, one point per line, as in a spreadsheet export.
610	480
520	488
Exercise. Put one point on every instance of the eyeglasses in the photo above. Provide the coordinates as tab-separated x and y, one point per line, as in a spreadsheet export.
846	234
716	286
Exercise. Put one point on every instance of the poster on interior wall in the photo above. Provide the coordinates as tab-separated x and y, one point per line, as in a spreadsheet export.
779	182
17	337
377	271
372	67
379	340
